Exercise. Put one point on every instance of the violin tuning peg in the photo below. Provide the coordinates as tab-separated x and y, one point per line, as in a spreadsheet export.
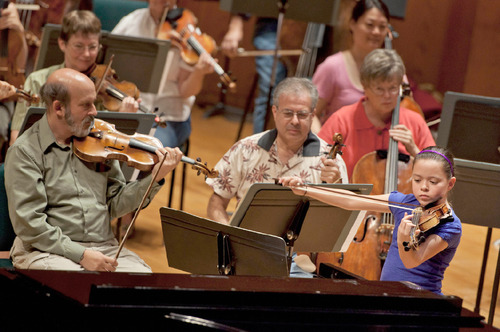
405	244
198	159
407	248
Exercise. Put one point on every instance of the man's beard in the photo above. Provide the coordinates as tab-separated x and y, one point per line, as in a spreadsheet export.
81	130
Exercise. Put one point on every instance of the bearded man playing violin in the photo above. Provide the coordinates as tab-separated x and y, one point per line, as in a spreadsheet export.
80	43
61	206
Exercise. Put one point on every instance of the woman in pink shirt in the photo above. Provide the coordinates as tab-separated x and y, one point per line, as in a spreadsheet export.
366	124
337	78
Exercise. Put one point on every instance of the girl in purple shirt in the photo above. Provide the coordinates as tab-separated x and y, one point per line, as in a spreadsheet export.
432	179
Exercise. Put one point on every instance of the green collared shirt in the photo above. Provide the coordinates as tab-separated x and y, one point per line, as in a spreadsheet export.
56	199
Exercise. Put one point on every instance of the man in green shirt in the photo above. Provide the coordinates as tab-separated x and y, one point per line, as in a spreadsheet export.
60	206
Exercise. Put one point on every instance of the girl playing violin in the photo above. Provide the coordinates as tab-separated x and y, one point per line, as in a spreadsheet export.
432	179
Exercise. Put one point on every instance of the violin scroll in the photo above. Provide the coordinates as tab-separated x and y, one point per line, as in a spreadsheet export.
338	144
197	165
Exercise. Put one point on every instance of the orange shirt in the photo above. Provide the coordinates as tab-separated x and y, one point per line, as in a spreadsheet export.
361	136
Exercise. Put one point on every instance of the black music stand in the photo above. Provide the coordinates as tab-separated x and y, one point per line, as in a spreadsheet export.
202	246
470	129
484	178
318	11
147	55
305	224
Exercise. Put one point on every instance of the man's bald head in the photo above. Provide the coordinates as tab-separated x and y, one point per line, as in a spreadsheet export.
60	85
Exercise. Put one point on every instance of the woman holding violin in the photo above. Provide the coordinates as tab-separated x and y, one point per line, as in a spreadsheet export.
409	258
183	82
80	43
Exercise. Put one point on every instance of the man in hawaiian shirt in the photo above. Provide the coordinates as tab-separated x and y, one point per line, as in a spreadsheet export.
291	149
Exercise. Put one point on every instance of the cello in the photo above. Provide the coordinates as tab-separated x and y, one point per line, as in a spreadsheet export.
369	248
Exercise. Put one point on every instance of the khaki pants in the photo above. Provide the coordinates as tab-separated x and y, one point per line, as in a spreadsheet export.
23	258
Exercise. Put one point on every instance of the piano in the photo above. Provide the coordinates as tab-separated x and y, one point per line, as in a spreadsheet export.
64	300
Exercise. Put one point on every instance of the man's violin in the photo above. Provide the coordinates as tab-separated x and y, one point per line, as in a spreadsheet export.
104	142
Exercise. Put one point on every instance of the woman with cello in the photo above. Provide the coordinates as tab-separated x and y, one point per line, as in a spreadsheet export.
183	81
409	258
369	127
366	124
80	43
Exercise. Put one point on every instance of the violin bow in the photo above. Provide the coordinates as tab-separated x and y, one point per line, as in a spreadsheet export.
319	189
106	71
162	19
136	214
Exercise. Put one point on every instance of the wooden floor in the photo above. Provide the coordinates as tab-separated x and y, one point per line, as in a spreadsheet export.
211	137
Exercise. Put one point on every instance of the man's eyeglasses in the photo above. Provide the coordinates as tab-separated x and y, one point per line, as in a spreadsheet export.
80	48
301	115
381	91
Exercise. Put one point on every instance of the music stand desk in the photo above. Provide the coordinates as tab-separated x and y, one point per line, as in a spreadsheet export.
318	11
268	208
202	246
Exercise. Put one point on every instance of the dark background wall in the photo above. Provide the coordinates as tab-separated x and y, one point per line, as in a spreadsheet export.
452	44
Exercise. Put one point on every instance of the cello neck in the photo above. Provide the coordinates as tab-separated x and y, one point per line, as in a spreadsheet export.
391	170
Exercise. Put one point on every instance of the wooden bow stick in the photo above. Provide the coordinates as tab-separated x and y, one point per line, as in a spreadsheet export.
136	214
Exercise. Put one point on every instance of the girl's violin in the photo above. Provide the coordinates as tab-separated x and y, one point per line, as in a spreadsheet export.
424	220
180	27
104	142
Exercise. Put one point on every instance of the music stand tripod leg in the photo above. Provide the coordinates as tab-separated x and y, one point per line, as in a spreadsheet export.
494	292
483	271
282	6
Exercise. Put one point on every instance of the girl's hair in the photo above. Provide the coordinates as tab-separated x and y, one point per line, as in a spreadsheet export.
362	6
440	154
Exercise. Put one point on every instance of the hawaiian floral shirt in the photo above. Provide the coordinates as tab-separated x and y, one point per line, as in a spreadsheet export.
254	159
